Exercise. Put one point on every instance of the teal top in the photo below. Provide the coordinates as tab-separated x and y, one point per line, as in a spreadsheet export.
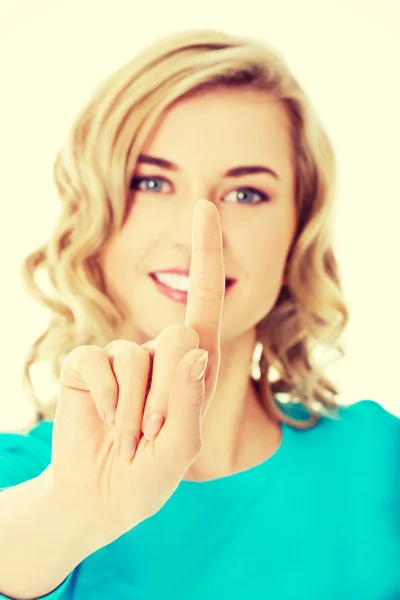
319	520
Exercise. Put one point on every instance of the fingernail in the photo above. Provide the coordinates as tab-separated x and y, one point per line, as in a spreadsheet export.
199	367
152	426
127	447
109	416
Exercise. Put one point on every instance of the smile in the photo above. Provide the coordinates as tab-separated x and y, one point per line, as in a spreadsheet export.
176	286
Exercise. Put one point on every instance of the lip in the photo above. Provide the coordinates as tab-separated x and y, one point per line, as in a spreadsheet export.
176	271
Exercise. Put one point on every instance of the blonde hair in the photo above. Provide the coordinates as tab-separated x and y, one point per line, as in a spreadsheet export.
93	173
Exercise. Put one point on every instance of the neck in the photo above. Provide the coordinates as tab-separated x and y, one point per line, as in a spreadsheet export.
236	431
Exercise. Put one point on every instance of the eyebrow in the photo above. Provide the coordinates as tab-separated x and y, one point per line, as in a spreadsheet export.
235	172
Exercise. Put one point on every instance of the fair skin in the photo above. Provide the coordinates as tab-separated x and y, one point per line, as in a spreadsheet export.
205	136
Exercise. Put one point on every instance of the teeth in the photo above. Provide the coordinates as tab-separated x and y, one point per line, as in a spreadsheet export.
174	281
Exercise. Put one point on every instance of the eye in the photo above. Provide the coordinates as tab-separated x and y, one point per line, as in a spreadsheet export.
246	196
147	184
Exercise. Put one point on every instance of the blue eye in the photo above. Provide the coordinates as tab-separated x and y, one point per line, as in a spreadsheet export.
150	183
244	193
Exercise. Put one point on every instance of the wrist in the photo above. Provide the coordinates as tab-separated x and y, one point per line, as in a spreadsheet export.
78	527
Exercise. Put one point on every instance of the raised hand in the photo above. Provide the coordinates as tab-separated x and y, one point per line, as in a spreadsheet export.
203	315
95	470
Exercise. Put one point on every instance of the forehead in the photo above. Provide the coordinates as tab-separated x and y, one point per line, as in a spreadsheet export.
230	125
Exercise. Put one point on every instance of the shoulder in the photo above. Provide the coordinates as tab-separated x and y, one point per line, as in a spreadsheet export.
370	421
24	456
367	443
360	435
360	418
374	434
368	411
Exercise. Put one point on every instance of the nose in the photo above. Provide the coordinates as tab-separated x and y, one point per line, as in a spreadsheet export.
182	219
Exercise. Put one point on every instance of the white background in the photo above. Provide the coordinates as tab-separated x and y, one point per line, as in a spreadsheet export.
346	54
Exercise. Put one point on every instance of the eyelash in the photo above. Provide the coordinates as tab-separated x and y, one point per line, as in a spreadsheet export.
264	197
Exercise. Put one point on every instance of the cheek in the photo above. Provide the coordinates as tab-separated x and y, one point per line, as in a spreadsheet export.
267	252
266	256
124	248
119	259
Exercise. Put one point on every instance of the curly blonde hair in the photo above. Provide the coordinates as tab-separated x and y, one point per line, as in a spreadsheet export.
93	173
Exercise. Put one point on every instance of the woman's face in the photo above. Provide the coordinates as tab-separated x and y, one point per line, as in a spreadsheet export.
203	138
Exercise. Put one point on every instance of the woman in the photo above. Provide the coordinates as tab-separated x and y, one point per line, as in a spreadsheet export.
252	480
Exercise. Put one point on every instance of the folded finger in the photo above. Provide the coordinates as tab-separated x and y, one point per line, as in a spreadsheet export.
130	364
180	439
175	342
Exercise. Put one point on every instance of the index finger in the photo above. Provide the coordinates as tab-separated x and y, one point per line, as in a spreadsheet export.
206	287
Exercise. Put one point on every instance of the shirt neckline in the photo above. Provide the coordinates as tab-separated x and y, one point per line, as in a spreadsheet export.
267	468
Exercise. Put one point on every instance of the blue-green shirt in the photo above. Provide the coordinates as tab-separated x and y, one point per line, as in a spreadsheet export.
318	520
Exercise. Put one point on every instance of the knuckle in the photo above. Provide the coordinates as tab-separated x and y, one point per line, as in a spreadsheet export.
117	346
180	334
192	336
120	343
172	329
81	354
81	360
128	353
89	365
210	294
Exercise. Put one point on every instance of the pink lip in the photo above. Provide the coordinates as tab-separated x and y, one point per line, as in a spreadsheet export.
176	271
177	295
186	273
